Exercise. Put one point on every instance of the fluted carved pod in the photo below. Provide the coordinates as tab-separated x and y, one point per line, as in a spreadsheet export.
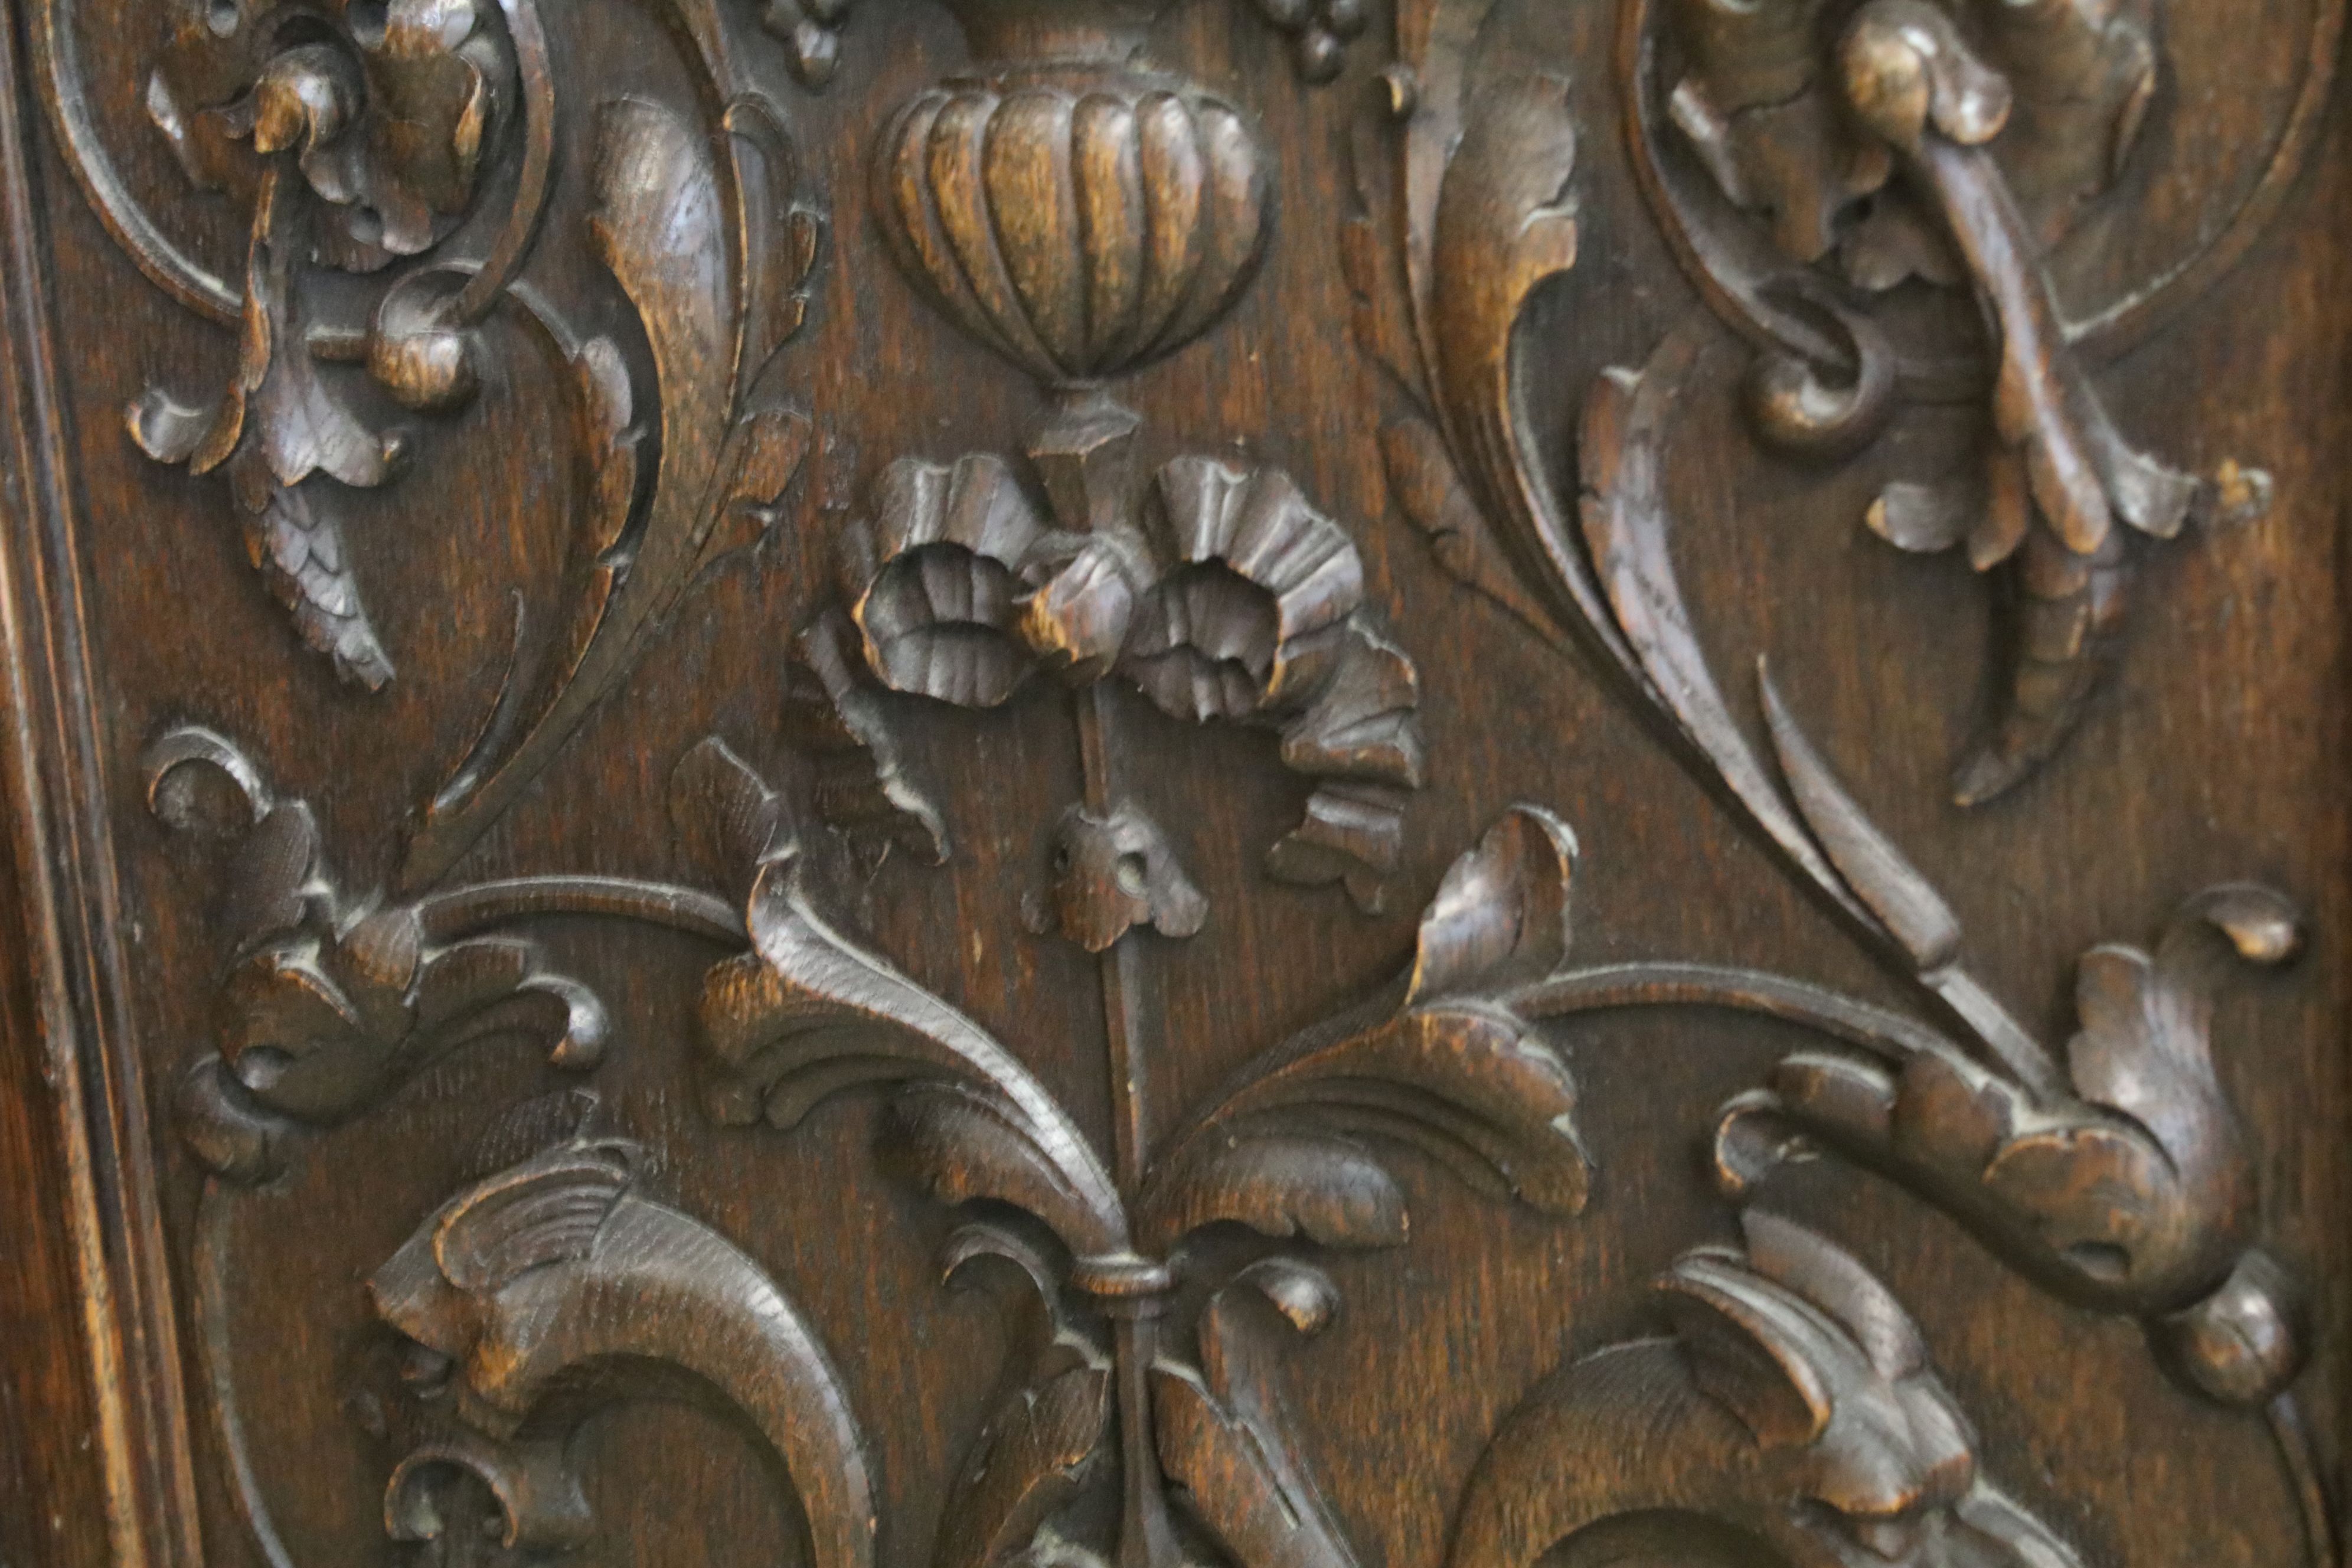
1080	228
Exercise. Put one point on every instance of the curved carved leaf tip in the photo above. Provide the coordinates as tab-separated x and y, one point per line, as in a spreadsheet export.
1794	1375
2131	1189
811	1013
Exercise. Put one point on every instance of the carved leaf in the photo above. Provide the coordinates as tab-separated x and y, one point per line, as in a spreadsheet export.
543	1212
1048	1423
1425	483
1327	1190
1907	908
1222	1434
554	1274
330	1006
1441	1063
833	713
1500	919
276	425
1625	523
659	224
774	242
1794	1409
809	1013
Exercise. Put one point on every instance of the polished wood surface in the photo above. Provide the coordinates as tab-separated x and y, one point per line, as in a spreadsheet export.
1118	784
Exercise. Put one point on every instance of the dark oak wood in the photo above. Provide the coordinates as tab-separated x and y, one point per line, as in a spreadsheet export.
1147	783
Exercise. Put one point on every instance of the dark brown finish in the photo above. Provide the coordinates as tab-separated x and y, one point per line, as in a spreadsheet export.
765	805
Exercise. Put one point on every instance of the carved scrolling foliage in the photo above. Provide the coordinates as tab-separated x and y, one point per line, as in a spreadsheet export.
1792	1374
1151	1363
2120	1181
1084	214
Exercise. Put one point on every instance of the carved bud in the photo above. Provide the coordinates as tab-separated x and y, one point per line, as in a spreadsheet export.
1082	230
2245	1342
416	353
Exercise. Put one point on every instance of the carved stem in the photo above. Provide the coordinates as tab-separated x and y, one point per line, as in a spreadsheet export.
1146	1538
1131	1025
1737	990
213	1212
2297	1452
462	911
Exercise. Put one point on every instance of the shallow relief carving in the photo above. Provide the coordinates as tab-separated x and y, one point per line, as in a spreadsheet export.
1083	213
1469	206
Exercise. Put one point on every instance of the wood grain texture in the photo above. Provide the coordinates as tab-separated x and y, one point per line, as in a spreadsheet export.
1086	782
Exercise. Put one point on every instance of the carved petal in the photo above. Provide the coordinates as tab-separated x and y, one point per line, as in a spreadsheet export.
1257	572
937	575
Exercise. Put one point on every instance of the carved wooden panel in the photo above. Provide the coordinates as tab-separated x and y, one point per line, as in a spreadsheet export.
1175	783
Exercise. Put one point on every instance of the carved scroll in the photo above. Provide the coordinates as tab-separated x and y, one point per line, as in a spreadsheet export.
1792	1376
557	1273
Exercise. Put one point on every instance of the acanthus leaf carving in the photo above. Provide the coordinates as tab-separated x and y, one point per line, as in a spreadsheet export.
809	1013
331	1002
660	225
1049	1425
559	1273
1446	1066
359	139
1441	1062
2130	1192
1224	1433
1793	1375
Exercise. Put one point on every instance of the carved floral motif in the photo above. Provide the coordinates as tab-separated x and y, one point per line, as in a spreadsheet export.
1084	215
1289	1150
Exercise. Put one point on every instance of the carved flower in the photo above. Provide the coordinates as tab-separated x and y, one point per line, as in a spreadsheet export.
384	105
